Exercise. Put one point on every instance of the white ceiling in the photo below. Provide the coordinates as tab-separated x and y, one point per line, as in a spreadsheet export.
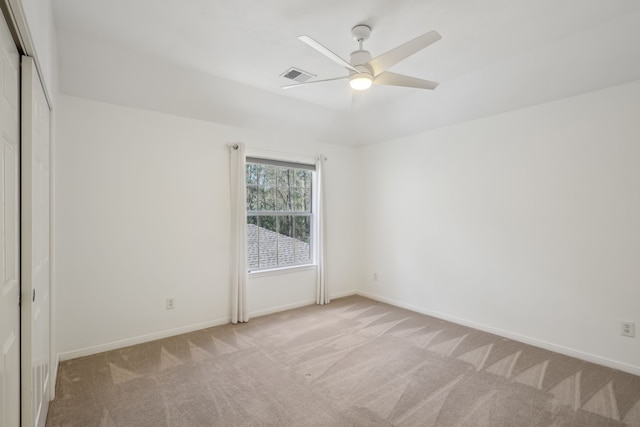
222	60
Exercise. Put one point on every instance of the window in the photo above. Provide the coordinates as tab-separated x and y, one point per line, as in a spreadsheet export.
279	214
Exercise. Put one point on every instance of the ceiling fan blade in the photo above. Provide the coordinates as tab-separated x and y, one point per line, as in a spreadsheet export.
326	52
315	81
393	79
392	57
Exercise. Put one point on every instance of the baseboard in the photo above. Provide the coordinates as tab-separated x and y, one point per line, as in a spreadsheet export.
87	351
635	370
298	304
54	376
344	294
139	339
280	308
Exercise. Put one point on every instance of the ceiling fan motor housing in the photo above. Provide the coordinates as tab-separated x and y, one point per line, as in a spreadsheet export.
359	58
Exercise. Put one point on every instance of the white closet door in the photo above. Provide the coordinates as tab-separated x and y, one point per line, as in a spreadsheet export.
9	230
36	270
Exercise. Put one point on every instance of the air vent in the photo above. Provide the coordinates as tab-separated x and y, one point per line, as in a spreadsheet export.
297	75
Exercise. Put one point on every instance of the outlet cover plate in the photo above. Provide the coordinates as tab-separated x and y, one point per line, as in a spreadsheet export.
628	329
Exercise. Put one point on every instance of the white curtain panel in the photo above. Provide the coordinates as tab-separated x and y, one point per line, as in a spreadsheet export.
238	233
322	291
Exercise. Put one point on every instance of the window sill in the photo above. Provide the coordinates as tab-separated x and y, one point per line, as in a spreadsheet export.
281	270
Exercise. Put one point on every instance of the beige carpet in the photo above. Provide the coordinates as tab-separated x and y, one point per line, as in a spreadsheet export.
354	362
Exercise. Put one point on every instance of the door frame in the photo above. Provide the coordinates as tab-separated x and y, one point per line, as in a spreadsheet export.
16	19
35	265
10	286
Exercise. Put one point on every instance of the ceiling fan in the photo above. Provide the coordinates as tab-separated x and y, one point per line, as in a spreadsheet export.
364	71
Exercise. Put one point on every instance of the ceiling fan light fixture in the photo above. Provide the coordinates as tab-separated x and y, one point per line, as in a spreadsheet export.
361	81
365	71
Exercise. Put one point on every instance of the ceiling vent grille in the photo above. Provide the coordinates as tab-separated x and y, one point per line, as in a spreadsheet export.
297	75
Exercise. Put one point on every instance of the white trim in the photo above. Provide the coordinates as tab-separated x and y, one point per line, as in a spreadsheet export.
282	308
19	22
281	270
53	371
297	305
567	351
344	294
53	355
280	155
35	387
114	345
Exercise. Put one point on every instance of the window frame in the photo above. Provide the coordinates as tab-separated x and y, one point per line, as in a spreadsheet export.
311	214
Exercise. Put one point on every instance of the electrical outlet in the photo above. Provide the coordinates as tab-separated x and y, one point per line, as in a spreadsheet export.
628	329
171	303
375	277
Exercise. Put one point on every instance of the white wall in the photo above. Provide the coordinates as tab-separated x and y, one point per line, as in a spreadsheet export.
526	223
523	224
142	213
